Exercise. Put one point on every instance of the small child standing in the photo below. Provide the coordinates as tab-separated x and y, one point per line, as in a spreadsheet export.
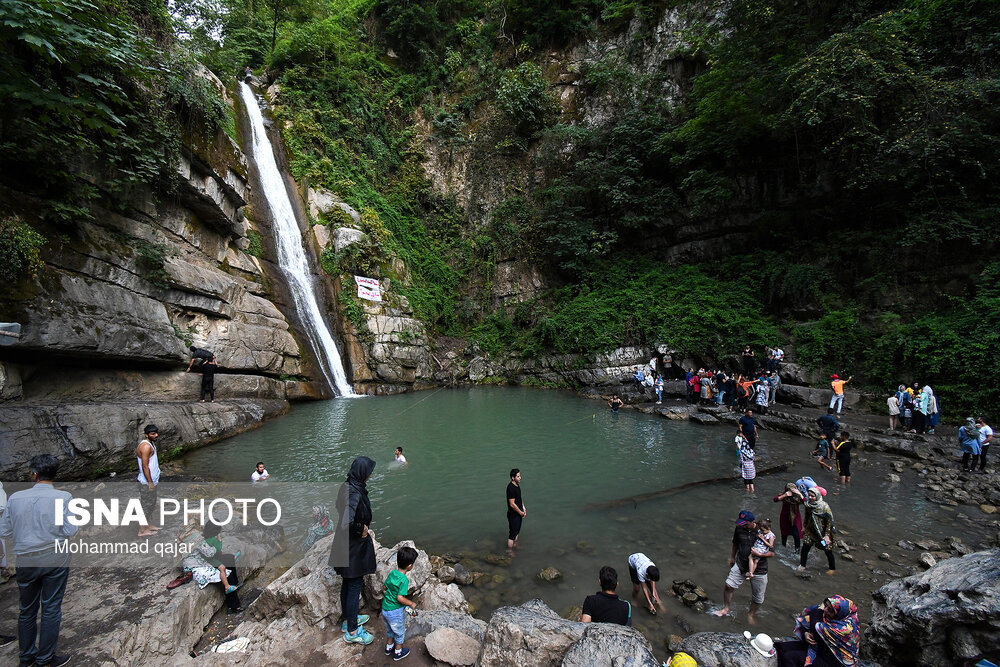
747	464
764	543
824	451
395	601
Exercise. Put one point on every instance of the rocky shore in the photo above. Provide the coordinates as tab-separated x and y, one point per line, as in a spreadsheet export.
945	615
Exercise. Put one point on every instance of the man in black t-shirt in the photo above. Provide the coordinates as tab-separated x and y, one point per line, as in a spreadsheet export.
748	427
744	537
515	508
606	606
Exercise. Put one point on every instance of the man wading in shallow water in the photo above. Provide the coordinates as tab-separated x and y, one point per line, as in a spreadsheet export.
743	540
515	508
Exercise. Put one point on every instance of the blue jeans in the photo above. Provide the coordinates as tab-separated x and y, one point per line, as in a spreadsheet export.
395	625
40	586
350	600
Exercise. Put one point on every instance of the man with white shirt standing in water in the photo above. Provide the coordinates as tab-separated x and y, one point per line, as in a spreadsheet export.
149	477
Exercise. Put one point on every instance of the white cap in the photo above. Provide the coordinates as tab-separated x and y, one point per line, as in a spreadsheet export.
762	643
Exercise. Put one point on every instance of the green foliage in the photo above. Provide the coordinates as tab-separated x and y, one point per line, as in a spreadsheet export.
149	260
354	311
837	342
256	239
525	98
20	250
186	336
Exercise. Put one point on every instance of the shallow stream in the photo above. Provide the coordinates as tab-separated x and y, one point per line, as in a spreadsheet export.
461	444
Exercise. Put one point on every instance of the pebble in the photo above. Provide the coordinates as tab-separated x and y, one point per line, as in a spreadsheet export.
893	477
988	509
847	557
883	556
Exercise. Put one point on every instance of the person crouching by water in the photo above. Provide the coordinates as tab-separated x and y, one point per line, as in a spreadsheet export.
352	555
515	508
828	636
615	404
41	572
644	575
605	606
819	529
206	564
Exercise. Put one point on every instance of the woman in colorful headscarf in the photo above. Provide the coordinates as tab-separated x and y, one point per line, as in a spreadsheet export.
818	529
828	636
322	526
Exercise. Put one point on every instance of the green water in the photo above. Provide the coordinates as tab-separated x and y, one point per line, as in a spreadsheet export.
461	444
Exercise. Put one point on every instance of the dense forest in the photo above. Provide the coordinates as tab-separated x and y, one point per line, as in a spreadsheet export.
856	143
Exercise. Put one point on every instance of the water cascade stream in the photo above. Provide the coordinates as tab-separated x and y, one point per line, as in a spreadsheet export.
291	255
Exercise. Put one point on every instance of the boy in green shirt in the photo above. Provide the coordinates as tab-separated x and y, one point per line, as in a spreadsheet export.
394	603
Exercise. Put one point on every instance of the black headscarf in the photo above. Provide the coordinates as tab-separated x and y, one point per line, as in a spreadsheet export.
355	513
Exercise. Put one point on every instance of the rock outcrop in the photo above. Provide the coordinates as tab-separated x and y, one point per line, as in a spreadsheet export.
948	615
723	649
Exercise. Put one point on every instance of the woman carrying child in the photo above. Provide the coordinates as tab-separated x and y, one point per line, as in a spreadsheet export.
764	543
747	465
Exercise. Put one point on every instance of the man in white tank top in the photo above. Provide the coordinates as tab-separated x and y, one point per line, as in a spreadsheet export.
149	477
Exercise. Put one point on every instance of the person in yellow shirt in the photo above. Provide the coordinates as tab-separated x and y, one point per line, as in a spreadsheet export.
838	391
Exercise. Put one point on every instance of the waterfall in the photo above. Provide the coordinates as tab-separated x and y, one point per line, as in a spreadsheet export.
291	255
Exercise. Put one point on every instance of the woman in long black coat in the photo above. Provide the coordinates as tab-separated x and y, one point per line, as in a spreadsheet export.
353	553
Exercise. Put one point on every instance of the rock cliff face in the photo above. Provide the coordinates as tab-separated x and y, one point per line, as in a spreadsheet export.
106	325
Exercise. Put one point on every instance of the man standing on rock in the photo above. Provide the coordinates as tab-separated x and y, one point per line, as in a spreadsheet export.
748	427
743	540
838	392
515	508
149	477
985	438
41	571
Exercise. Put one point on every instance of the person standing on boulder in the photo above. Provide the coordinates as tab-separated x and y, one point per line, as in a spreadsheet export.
985	438
838	391
515	508
744	537
199	354
41	570
149	477
968	440
352	555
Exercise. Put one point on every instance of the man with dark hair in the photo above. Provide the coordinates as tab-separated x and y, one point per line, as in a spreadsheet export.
259	473
41	572
515	508
605	606
644	575
201	355
748	427
149	477
985	438
744	537
829	424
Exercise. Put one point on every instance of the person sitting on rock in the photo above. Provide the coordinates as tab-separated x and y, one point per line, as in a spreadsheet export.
829	635
322	526
605	606
206	564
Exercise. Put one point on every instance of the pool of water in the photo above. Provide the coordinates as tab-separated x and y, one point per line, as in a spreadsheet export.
572	452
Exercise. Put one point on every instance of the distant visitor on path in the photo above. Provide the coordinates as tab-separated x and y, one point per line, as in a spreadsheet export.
790	520
605	606
985	438
149	477
749	366
208	368
248	74
352	555
515	508
819	529
837	400
829	635
744	537
200	355
259	473
893	403
41	572
644	575
615	403
398	456
968	441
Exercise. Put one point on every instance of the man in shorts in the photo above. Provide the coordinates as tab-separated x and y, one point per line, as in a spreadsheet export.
743	540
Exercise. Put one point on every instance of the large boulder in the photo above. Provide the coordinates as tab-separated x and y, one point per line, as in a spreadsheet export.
443	597
944	616
385	562
723	649
608	645
527	636
452	647
426	622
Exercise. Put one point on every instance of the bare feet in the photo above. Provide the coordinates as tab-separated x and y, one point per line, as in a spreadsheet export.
721	612
751	620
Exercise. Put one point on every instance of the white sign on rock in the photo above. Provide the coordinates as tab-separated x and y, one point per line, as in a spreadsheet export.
368	288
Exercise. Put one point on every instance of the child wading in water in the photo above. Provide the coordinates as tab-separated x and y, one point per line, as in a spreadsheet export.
824	451
764	543
395	602
747	465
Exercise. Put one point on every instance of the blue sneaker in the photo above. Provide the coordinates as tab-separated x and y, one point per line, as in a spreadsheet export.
361	637
362	619
388	649
403	652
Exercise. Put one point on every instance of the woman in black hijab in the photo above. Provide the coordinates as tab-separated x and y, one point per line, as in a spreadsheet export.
352	544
